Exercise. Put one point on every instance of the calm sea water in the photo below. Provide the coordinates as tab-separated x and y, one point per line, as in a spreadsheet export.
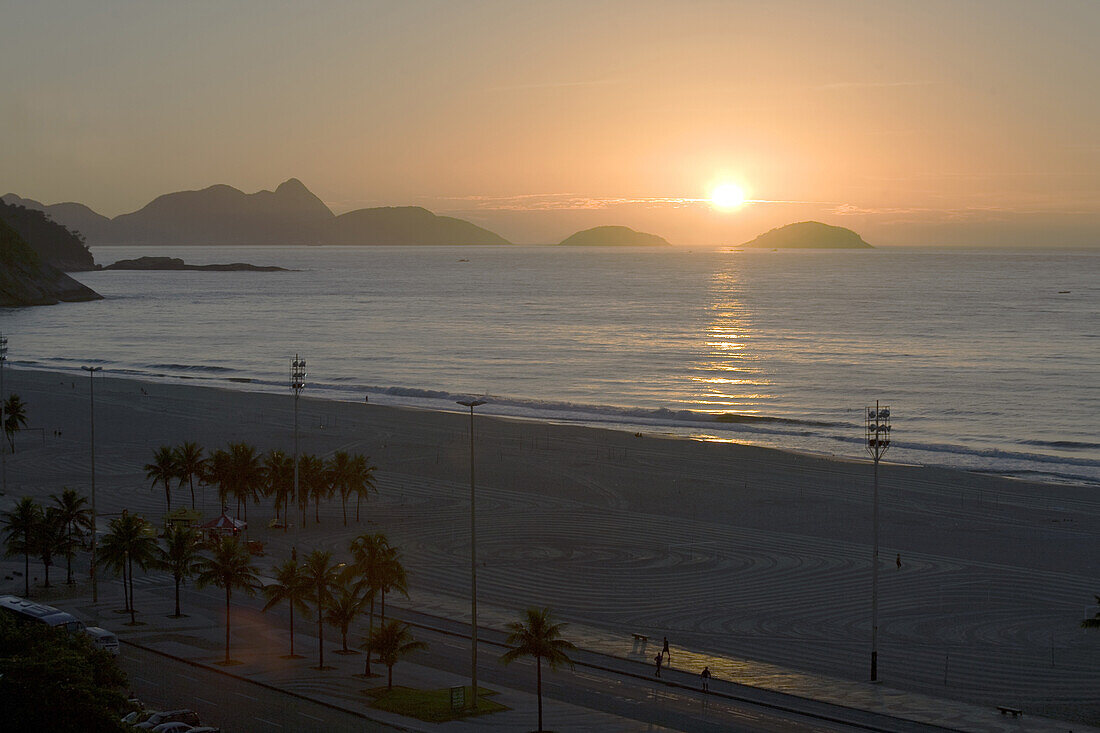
985	362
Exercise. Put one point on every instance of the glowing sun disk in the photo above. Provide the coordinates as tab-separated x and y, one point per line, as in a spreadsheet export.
727	196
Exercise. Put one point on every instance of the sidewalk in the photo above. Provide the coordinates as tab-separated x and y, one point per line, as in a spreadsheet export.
766	683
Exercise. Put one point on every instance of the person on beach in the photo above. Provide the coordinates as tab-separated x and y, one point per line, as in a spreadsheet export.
666	652
705	676
658	659
899	561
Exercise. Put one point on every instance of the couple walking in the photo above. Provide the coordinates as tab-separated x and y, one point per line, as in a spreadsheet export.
660	658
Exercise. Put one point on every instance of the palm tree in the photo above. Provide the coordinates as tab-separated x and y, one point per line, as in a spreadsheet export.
278	478
180	556
20	525
368	552
391	576
360	480
49	537
229	566
393	641
15	417
1094	622
290	586
347	603
320	573
538	638
245	475
129	540
339	467
216	471
312	484
189	465
163	470
77	518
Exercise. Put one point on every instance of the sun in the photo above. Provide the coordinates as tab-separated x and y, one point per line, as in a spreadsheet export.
727	196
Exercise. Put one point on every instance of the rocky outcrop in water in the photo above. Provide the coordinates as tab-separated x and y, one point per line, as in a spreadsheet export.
26	280
174	263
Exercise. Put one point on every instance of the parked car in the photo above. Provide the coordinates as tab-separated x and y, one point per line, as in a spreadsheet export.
173	728
170	716
205	729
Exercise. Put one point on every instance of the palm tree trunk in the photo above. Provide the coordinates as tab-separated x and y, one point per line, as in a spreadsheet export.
227	623
370	633
344	501
358	499
130	562
177	596
538	674
125	589
69	555
320	631
344	636
27	566
167	496
191	481
46	565
389	681
317	508
292	627
383	606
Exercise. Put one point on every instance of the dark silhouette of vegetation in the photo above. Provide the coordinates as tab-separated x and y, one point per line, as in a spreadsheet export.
163	470
15	417
180	557
393	641
20	525
49	538
57	682
369	553
52	242
1094	622
291	586
347	603
228	567
537	636
76	517
190	465
320	573
129	541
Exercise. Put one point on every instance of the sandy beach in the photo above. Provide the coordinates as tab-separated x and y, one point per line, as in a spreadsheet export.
744	551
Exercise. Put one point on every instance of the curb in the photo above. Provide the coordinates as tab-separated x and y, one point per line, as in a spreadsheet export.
273	688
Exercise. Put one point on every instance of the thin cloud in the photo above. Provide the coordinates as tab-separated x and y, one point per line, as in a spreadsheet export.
555	85
873	84
579	202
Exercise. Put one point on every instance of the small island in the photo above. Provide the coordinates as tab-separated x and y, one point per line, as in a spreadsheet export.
175	263
614	236
809	235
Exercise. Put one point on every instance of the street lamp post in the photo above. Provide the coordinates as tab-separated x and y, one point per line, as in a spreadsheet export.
878	442
91	396
297	383
473	558
3	448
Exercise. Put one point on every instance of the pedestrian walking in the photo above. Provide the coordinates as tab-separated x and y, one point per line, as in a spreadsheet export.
658	659
899	561
705	676
666	652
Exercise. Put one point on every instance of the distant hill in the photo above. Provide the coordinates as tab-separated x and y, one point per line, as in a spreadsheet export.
221	214
614	236
809	235
406	225
26	280
77	217
53	243
291	214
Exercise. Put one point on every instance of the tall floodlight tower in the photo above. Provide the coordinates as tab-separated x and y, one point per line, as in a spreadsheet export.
91	416
473	558
3	448
297	383
878	442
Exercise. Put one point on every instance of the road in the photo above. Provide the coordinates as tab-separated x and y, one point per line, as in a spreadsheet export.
234	705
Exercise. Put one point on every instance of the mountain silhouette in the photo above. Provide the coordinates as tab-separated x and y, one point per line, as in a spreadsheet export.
291	214
809	235
614	236
25	279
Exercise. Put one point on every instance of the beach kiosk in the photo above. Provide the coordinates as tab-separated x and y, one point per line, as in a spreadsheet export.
223	525
182	517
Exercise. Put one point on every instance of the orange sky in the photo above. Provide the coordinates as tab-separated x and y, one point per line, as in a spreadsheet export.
931	123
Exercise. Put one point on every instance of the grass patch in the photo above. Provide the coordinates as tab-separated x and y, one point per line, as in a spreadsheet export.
431	706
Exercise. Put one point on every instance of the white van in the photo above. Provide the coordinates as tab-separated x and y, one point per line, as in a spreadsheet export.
103	639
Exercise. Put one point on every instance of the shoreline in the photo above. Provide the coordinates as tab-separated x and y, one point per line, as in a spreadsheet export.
751	431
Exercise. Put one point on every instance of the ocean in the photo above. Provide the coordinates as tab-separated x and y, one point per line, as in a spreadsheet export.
989	360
